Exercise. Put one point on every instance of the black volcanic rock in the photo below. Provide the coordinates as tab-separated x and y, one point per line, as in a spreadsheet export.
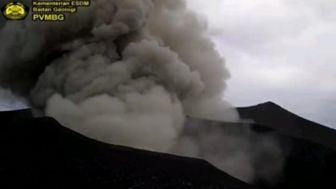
10	116
309	147
40	153
276	117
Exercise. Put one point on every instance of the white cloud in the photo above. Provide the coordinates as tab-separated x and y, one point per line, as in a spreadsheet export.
279	50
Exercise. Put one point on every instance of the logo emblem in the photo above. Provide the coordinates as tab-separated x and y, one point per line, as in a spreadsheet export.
15	11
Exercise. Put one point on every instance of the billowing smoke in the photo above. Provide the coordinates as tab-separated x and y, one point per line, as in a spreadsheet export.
234	148
125	72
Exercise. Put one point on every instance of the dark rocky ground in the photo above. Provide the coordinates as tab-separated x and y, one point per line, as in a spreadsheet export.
310	156
40	153
273	116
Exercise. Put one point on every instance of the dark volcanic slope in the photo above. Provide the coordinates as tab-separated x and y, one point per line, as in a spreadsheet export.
40	153
310	156
10	116
274	116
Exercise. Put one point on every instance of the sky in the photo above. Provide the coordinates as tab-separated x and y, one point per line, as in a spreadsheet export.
9	101
277	50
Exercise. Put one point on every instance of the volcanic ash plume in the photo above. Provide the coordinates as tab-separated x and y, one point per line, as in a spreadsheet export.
125	72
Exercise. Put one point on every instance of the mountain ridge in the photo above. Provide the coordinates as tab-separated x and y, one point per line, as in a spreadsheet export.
40	153
276	117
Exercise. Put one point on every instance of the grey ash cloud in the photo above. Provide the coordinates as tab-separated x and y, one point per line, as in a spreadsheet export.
129	72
